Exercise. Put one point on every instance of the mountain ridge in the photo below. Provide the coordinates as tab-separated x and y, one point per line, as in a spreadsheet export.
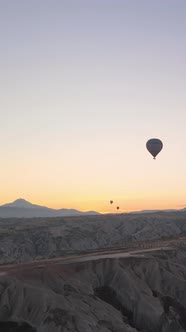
21	208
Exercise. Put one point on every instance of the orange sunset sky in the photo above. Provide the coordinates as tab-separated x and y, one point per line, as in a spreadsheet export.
84	85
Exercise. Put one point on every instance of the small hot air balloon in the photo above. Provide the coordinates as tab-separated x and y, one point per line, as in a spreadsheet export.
117	207
154	146
111	202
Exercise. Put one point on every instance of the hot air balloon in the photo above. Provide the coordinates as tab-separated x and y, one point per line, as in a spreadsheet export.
154	146
111	202
117	208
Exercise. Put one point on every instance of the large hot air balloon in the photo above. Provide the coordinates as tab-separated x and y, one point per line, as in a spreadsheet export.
154	146
111	202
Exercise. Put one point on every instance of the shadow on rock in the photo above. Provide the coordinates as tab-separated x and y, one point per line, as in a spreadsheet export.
9	326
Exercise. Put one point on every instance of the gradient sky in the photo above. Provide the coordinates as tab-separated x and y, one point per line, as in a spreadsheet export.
83	85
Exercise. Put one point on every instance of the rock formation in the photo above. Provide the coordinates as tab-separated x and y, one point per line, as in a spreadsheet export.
22	240
120	295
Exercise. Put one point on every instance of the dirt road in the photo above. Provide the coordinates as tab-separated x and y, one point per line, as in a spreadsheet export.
138	249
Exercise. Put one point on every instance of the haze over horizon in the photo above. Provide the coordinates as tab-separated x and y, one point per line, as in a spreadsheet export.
84	85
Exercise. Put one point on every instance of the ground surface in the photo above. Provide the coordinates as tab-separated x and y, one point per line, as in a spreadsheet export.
125	285
23	240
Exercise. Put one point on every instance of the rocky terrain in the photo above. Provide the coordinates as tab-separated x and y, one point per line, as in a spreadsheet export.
23	240
146	293
143	292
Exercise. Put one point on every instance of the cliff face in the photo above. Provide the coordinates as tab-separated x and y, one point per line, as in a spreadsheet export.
120	295
30	239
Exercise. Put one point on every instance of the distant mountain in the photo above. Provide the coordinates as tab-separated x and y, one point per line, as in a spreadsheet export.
155	211
22	203
21	208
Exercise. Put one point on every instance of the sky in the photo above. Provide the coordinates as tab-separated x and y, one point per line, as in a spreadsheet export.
83	85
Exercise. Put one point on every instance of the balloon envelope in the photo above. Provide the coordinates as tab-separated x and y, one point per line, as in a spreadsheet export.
154	146
117	208
111	202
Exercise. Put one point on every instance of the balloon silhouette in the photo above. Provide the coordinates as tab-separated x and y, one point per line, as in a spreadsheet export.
154	146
